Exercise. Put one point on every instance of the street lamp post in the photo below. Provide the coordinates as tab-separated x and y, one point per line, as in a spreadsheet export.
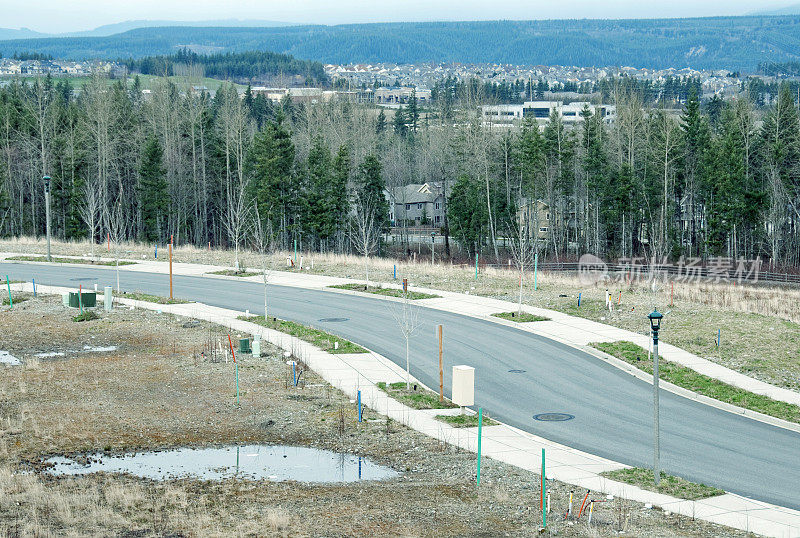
47	212
433	245
655	325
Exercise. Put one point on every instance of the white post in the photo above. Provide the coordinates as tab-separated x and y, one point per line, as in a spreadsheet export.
108	298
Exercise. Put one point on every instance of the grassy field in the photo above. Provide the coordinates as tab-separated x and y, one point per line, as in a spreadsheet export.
416	397
466	421
760	333
668	485
707	386
389	292
141	296
165	388
68	260
321	339
520	318
233	272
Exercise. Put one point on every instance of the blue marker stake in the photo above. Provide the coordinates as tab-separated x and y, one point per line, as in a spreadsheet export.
359	467
719	333
156	250
395	273
294	374
359	406
579	299
34	287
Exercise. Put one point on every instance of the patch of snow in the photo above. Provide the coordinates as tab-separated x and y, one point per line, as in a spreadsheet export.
99	349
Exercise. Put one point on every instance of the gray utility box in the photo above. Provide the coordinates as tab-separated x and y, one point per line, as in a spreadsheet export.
87	299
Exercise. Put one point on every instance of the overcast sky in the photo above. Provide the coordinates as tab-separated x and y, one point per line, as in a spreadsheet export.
64	16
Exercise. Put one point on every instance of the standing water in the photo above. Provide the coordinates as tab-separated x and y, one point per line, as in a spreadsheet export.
254	462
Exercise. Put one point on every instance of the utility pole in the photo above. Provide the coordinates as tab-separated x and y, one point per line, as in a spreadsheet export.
47	213
655	325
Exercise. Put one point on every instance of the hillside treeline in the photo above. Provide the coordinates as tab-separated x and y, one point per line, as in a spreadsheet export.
231	66
236	170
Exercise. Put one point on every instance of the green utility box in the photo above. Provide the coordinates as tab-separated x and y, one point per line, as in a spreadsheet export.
244	345
87	299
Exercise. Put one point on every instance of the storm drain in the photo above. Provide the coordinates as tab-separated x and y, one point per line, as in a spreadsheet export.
332	320
553	417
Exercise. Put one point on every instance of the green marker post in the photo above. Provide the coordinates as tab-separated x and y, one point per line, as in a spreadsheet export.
476	267
544	495
8	285
535	270
480	428
295	252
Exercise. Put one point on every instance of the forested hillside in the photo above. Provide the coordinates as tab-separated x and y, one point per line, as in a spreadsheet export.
241	170
736	43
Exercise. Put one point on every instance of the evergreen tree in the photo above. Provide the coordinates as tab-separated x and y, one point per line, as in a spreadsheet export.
467	213
380	126
400	127
153	193
274	186
371	189
412	111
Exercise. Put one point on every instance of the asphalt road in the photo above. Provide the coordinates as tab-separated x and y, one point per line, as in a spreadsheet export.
612	410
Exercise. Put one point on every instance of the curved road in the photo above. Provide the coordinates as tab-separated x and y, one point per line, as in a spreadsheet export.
612	409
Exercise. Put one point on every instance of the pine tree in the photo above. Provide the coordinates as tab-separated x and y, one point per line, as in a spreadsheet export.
380	126
153	193
274	186
370	191
400	127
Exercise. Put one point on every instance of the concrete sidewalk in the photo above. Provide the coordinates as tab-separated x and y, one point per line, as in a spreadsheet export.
353	372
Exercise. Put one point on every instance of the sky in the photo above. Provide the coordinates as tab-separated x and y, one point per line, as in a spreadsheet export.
56	16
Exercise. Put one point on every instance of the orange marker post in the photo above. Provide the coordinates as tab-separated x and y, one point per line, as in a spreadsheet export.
236	364
108	238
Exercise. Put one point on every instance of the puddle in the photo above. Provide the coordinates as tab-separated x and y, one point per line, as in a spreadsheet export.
271	462
99	349
8	358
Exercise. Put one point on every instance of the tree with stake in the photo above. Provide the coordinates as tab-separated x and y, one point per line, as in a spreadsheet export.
264	243
407	318
523	249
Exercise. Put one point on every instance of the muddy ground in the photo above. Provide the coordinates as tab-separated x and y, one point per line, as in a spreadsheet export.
162	388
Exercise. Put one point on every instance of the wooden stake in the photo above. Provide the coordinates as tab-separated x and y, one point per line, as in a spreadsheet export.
441	370
171	238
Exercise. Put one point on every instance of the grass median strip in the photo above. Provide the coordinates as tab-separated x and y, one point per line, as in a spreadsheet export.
139	296
523	317
390	292
465	421
68	260
418	399
234	272
669	485
707	386
321	339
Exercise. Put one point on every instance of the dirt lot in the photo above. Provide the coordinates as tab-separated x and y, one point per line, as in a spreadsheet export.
156	391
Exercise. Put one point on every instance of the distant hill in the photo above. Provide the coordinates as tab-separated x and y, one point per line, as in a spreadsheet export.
735	43
120	27
22	33
788	10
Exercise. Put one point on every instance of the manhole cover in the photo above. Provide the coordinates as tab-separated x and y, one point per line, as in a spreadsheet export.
82	279
553	417
516	371
333	320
